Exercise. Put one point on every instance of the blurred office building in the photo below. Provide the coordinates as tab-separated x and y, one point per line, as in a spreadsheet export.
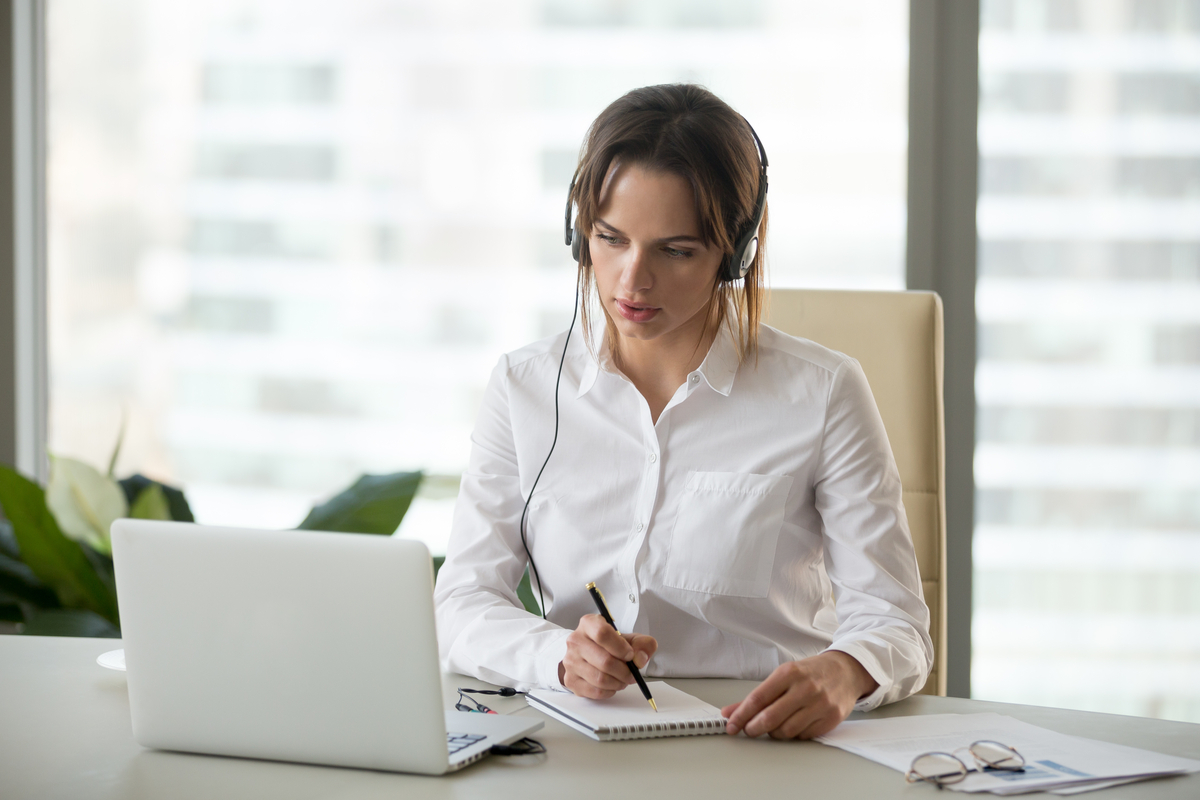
1087	542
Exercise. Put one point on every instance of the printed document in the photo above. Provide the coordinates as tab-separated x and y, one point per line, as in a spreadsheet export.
1053	761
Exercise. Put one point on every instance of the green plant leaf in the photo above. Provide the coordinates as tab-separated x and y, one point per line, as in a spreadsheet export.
103	565
17	582
70	622
373	504
57	561
134	485
525	592
10	611
151	504
84	502
8	542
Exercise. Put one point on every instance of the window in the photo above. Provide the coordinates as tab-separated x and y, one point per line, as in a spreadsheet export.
289	240
1087	545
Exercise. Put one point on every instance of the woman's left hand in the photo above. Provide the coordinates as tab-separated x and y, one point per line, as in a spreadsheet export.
802	699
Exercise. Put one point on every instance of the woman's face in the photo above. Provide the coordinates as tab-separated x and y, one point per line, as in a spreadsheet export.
654	274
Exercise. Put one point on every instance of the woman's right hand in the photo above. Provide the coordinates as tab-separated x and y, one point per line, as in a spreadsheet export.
594	665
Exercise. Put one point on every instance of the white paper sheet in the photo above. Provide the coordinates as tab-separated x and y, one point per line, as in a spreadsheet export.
1052	759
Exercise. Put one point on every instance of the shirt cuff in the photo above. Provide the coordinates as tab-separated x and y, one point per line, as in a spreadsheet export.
868	661
548	661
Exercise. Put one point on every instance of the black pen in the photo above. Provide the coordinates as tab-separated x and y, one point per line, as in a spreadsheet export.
637	676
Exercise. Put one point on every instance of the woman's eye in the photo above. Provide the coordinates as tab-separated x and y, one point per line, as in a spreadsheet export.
673	253
606	238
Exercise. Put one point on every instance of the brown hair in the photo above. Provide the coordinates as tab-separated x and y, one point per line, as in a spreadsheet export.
685	130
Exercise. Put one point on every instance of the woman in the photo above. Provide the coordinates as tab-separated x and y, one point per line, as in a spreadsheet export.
730	488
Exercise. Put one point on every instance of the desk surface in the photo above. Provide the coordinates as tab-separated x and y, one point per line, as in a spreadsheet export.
65	733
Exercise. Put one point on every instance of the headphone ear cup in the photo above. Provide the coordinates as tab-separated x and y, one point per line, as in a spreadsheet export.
576	244
738	264
747	258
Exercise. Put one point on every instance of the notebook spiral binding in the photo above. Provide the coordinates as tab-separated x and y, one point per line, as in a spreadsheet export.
693	728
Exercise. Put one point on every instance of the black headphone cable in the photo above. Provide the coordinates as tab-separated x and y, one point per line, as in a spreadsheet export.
525	512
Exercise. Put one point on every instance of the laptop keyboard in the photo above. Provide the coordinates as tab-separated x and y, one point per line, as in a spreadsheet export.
457	741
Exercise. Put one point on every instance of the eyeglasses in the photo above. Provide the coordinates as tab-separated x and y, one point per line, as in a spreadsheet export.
942	769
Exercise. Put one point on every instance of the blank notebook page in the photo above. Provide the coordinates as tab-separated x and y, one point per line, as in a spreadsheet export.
627	714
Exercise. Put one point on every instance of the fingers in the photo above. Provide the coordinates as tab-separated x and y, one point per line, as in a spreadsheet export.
644	648
763	696
586	680
594	664
798	712
595	628
798	700
820	727
784	720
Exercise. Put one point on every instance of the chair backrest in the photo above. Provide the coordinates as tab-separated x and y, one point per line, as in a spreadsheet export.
897	338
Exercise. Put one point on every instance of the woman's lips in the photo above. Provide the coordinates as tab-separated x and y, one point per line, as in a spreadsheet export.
636	312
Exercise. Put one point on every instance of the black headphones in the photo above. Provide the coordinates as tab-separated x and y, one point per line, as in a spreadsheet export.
745	248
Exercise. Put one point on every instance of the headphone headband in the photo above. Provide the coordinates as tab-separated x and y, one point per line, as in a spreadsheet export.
744	248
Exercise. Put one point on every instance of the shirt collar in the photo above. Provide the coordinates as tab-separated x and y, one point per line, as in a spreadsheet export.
718	368
597	360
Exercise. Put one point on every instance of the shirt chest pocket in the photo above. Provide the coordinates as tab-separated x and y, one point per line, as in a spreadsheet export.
726	532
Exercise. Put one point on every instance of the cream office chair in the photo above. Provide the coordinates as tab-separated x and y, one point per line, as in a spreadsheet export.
897	338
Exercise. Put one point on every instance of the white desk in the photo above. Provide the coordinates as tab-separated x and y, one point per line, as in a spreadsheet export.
65	733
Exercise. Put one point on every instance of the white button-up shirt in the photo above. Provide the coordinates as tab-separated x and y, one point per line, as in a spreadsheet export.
758	521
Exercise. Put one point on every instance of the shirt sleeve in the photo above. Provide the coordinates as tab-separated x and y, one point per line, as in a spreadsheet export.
483	628
883	620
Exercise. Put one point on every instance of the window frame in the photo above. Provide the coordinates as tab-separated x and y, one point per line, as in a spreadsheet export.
23	352
941	252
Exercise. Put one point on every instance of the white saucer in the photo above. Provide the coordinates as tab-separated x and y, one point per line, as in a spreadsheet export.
113	659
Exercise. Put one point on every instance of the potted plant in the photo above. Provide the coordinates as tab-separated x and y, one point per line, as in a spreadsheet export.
56	571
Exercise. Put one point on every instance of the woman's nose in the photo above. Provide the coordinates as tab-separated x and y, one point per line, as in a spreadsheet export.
636	275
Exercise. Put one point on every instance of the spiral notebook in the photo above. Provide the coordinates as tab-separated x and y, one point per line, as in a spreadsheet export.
627	715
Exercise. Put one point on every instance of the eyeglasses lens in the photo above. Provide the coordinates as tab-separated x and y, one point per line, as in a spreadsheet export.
997	756
938	768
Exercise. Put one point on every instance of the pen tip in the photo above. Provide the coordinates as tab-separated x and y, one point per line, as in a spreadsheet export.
652	705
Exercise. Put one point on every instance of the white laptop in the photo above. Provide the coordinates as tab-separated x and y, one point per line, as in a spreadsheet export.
290	645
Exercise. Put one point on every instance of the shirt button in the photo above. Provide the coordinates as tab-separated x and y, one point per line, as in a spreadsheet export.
632	599
695	379
639	527
653	458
